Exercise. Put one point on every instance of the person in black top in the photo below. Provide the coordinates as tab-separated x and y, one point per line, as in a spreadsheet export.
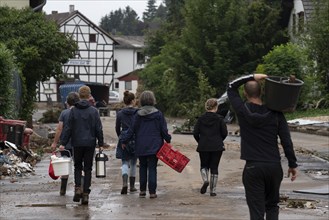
259	130
210	131
84	127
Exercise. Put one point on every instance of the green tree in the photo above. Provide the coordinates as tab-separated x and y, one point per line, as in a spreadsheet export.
122	22
150	12
6	77
39	48
263	18
290	59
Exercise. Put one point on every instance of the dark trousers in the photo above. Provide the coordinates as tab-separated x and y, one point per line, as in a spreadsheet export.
83	159
262	187
148	173
210	160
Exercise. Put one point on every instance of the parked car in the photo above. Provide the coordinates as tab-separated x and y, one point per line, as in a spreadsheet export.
225	109
114	96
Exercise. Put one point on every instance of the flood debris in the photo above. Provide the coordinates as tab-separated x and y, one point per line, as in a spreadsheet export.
15	161
297	203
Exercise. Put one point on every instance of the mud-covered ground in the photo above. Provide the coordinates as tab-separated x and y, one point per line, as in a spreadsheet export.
36	196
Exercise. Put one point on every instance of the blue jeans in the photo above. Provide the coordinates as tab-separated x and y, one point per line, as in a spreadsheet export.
148	165
126	164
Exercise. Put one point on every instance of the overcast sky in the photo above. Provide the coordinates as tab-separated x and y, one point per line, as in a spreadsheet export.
96	9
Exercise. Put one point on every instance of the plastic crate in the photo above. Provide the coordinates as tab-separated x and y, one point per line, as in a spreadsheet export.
172	157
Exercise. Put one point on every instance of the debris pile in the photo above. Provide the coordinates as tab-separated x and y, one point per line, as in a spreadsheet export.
15	161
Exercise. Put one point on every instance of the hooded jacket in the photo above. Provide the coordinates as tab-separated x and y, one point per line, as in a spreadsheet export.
210	131
123	121
150	129
84	126
260	128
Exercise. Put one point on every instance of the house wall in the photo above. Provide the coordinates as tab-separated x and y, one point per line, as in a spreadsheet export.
122	88
293	25
127	62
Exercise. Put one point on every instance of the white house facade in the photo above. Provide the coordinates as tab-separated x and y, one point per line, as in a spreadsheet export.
129	58
301	12
94	59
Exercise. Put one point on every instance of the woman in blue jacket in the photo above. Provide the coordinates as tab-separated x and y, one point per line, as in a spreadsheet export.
127	155
150	129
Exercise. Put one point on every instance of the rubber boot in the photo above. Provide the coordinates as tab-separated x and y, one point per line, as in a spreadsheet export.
132	184
204	175
85	199
124	184
62	191
213	183
77	194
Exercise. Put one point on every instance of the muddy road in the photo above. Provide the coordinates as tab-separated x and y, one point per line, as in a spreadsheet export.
36	196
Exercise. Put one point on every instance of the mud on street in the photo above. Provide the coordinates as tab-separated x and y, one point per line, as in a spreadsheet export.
36	196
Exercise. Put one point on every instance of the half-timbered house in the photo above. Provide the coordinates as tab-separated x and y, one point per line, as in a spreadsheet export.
93	61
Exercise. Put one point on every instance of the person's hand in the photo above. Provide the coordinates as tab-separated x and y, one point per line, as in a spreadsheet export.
293	172
53	146
259	76
61	148
100	148
123	146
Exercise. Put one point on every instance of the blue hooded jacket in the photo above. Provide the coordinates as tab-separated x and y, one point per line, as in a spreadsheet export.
150	129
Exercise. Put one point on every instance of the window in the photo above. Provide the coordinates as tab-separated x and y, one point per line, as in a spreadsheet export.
140	58
128	85
116	85
301	22
115	66
92	38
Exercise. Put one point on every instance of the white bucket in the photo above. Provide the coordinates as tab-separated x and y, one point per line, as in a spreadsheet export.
62	167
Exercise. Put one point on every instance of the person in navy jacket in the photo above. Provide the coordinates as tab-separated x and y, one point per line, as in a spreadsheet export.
150	130
127	155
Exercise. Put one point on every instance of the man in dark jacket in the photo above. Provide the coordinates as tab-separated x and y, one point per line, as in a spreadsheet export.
259	129
84	128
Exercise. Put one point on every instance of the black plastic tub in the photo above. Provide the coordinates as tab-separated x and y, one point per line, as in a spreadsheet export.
282	93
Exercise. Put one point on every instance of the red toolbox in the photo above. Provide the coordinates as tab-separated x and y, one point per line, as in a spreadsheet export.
172	157
13	131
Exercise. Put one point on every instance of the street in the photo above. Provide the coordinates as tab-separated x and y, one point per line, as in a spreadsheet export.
36	195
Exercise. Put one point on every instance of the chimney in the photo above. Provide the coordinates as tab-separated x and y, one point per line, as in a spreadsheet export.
54	12
71	8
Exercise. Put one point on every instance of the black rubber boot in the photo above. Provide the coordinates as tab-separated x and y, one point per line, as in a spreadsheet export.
62	191
132	184
124	184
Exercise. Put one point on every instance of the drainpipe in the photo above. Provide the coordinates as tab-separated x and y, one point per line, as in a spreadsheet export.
40	6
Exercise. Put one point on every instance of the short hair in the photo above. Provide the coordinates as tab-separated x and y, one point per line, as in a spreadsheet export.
211	104
72	98
147	98
84	92
128	97
252	89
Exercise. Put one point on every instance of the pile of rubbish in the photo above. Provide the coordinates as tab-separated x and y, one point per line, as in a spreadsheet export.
16	158
15	161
